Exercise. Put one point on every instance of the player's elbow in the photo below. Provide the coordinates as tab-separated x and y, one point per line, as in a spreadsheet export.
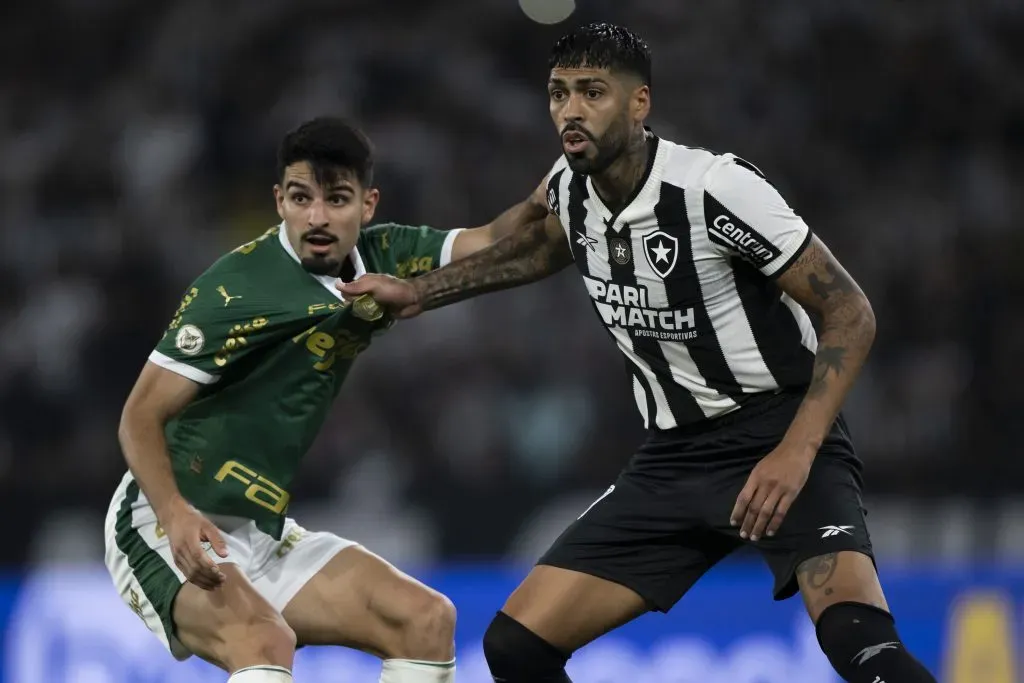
865	319
853	316
128	426
138	418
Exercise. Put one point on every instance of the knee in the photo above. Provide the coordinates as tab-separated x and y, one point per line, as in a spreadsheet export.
267	639
436	616
428	630
862	644
516	654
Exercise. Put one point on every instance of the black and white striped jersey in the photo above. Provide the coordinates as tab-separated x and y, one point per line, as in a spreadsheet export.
683	279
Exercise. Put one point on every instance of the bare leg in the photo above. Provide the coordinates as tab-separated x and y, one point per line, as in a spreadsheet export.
553	613
233	627
845	600
846	576
570	609
358	600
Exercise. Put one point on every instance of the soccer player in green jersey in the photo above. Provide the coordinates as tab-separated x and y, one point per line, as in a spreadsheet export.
198	540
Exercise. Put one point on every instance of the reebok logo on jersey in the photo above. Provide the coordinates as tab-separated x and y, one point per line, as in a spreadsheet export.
831	531
585	240
662	250
729	231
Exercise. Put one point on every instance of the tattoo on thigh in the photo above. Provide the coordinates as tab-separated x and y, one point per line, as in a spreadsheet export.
818	571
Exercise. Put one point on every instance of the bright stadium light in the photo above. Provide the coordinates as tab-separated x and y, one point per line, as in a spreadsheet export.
547	11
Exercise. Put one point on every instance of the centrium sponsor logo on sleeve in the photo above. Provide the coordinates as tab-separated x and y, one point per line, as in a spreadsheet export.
73	628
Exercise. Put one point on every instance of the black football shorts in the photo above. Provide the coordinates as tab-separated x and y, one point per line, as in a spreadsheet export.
665	520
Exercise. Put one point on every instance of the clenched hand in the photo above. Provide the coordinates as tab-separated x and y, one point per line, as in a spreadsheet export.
398	296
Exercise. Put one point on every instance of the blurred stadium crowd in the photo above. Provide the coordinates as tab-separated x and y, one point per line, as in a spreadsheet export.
138	144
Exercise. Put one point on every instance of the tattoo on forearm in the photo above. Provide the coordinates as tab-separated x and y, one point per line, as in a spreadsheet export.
838	283
520	258
818	571
828	358
848	322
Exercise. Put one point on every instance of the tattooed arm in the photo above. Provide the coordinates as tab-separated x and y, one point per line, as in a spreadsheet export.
533	208
523	245
527	255
820	284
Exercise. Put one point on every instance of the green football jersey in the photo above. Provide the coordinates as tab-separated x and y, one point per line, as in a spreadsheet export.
271	343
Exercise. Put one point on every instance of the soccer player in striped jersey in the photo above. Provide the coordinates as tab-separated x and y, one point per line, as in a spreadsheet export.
704	276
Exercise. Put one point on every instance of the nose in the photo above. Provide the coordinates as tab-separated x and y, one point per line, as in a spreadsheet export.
317	214
572	112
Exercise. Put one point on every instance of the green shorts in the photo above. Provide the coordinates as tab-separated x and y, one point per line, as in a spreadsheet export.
138	557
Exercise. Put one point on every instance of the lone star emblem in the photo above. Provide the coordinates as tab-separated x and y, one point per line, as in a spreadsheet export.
662	251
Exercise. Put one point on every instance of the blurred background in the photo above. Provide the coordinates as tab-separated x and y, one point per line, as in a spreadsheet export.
137	145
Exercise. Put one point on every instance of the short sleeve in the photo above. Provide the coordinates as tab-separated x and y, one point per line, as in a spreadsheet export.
746	216
553	180
406	251
214	327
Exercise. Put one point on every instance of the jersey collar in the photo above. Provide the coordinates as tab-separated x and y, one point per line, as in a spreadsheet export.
326	280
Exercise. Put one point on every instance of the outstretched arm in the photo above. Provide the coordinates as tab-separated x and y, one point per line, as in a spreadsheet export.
524	244
527	255
532	209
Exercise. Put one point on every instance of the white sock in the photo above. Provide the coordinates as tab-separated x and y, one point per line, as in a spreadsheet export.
264	673
413	671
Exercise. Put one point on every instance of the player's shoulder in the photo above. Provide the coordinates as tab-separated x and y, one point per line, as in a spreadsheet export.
378	230
249	254
399	249
247	263
561	163
380	236
552	185
699	168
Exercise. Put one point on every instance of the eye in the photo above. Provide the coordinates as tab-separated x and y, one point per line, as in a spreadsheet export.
338	200
593	94
300	198
557	94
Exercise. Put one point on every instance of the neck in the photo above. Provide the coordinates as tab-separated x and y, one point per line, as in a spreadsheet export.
618	182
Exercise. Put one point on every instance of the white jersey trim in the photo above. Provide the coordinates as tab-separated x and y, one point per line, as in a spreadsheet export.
448	246
326	280
183	369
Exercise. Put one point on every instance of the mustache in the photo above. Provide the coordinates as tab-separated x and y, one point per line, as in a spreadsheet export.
577	128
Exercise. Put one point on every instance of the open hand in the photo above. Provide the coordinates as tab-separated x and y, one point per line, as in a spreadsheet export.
398	296
770	491
188	532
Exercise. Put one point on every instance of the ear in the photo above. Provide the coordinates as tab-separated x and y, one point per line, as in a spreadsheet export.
641	102
279	201
370	199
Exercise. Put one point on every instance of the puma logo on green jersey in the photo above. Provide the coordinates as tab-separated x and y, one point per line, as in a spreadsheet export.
227	297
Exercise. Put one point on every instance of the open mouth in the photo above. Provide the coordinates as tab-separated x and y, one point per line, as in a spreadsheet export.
319	243
575	142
